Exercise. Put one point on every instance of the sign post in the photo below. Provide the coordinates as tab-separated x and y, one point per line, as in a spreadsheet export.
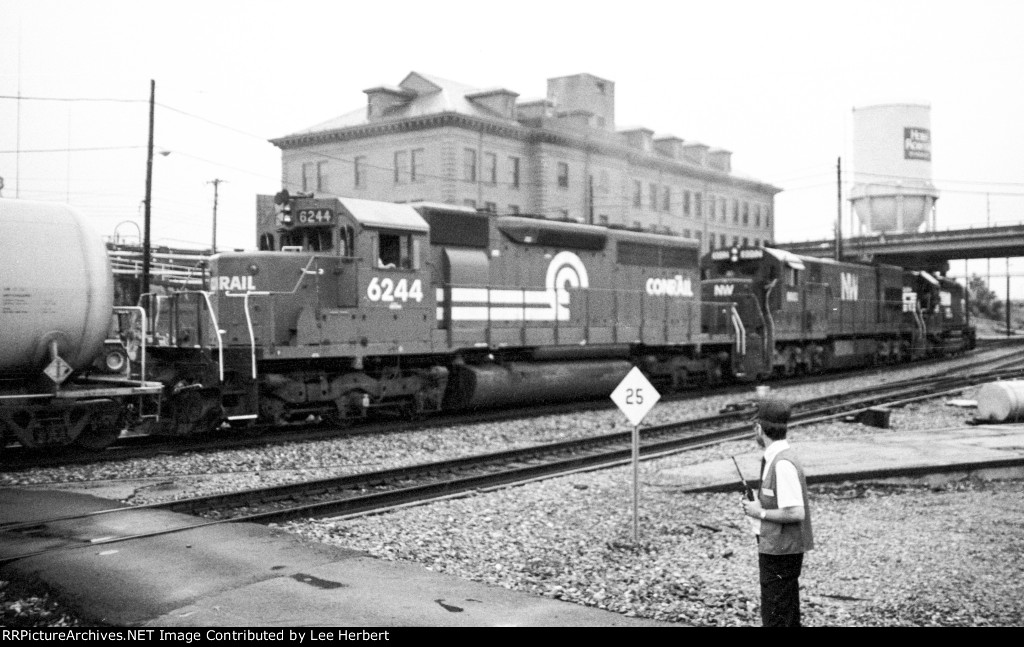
635	397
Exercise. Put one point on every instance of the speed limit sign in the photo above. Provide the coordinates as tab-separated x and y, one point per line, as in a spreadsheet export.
635	396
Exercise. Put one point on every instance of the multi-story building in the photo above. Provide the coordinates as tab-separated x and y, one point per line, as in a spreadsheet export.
561	157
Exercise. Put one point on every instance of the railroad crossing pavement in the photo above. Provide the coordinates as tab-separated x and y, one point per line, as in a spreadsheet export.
246	575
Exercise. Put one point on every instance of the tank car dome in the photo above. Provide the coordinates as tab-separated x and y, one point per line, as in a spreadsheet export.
56	285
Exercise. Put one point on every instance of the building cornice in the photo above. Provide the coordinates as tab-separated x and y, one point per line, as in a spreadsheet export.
530	134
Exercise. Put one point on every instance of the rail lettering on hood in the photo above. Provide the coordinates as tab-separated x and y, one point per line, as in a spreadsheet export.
672	287
235	283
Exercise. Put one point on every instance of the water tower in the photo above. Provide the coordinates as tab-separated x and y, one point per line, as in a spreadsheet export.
892	159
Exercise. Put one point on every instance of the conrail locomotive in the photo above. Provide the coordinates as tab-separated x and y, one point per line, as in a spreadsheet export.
813	314
352	307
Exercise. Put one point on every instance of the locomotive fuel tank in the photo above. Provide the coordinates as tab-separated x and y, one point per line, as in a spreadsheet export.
56	286
472	386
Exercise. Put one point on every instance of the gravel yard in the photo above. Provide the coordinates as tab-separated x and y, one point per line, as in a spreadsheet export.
886	555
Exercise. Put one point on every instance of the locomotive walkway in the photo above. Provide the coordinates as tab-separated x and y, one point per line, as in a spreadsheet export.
245	575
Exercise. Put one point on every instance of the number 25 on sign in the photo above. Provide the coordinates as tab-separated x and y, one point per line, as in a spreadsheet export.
635	396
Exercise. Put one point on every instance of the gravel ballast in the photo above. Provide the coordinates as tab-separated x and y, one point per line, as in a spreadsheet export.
886	555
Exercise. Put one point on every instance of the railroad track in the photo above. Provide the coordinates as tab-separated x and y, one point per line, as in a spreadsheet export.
375	492
15	459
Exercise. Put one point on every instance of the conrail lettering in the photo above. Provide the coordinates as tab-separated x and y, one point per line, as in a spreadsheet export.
674	287
236	283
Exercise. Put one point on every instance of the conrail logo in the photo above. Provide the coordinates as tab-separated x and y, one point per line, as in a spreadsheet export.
235	283
673	287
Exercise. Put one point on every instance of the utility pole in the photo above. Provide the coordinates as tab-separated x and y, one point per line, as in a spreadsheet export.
216	185
839	208
149	195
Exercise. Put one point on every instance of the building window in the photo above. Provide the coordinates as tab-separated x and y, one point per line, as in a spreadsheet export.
698	205
491	168
654	197
357	171
666	199
757	215
746	213
768	217
722	240
313	176
514	163
711	241
563	175
637	193
469	165
401	167
563	214
602	220
513	209
491	207
722	204
417	163
686	204
686	233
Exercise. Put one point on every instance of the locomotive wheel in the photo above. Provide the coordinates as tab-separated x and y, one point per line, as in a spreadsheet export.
789	368
680	379
97	438
195	411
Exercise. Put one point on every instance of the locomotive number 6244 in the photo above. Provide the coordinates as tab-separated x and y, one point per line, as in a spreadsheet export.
388	290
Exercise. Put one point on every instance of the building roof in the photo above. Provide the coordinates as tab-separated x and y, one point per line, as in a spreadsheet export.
427	95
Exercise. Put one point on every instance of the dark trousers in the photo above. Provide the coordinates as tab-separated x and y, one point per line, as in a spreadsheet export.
780	589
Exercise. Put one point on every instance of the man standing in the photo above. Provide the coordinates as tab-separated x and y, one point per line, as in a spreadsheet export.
782	508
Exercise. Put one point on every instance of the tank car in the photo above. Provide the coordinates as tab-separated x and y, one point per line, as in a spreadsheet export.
60	379
354	305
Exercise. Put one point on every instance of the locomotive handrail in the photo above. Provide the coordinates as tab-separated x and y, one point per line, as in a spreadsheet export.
220	336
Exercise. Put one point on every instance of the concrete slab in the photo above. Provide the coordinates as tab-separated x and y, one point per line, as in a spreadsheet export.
368	592
243	575
879	455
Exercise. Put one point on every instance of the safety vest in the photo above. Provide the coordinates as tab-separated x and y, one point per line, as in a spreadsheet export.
784	538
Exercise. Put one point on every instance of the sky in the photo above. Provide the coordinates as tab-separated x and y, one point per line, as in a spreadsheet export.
773	82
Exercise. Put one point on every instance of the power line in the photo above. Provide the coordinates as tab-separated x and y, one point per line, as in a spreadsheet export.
72	99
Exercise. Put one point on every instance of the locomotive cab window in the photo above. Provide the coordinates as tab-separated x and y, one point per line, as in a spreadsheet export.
792	277
346	240
397	251
310	240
